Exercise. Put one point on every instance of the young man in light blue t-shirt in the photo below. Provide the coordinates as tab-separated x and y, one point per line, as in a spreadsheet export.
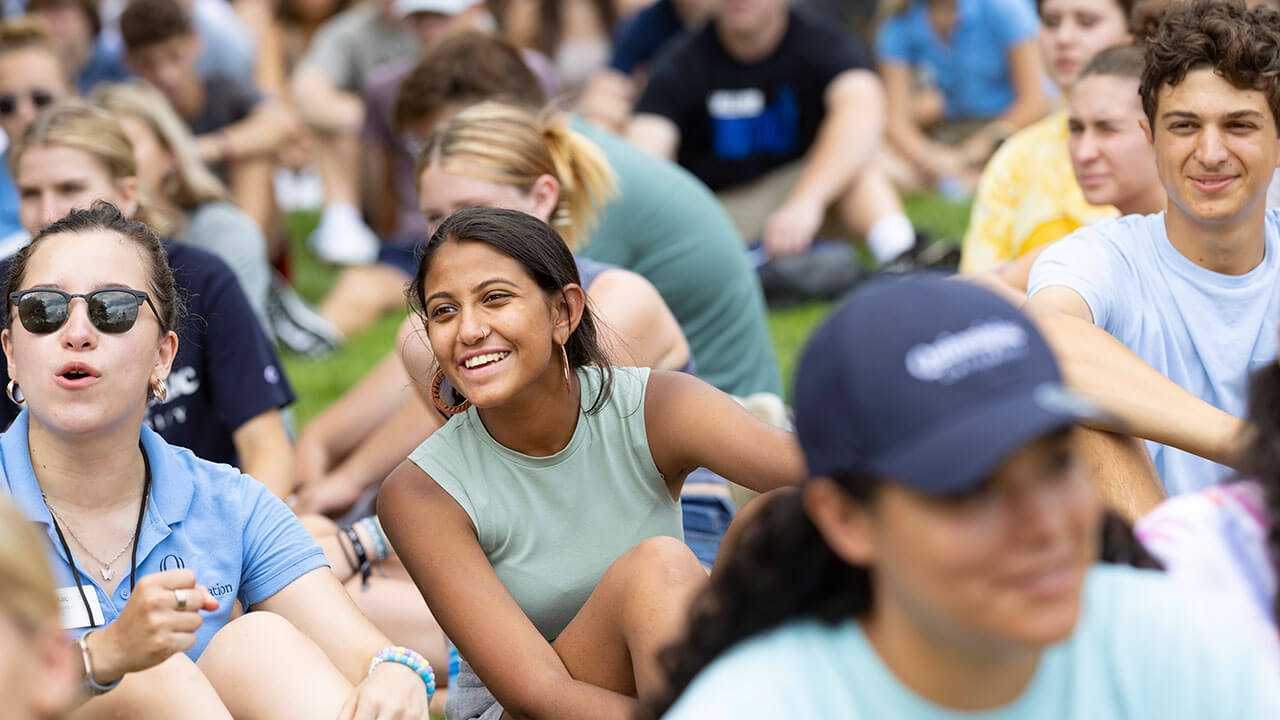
1193	292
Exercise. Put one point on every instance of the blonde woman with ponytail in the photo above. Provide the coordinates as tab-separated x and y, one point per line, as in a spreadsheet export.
171	176
38	666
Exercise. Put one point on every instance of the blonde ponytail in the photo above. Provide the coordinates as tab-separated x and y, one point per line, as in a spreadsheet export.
512	145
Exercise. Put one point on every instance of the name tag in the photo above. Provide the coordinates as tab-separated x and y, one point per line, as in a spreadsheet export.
72	609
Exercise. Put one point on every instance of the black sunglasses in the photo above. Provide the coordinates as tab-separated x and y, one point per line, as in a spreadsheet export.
111	310
39	98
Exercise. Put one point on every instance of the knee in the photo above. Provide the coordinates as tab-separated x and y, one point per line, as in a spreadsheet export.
662	563
252	635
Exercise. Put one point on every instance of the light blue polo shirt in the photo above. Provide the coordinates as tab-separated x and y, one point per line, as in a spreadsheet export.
972	68
240	540
1205	331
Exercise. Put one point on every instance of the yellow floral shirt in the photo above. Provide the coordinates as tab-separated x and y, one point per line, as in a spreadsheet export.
1027	197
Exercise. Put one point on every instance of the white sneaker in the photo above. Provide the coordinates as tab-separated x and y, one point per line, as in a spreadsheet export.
343	238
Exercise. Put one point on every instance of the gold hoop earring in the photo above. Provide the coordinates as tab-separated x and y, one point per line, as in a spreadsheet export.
15	393
568	385
159	390
445	408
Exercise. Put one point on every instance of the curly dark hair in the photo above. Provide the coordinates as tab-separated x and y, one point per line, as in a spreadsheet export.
782	569
1239	43
1262	459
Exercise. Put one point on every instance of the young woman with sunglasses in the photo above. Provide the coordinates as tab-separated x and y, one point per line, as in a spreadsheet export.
151	546
540	522
32	77
228	386
942	561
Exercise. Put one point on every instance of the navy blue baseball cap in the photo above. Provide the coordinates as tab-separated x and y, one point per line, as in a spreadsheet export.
927	382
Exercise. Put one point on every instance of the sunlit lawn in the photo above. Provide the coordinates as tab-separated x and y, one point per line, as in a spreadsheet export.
320	382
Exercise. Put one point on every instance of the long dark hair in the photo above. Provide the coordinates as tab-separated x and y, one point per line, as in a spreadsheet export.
782	569
543	255
1262	459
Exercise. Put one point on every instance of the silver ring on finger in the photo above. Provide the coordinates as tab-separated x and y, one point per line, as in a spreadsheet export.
181	596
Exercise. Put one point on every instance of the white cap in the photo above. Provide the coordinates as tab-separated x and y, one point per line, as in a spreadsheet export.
404	8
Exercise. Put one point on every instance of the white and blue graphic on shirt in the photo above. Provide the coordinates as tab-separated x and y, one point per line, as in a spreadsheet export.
744	125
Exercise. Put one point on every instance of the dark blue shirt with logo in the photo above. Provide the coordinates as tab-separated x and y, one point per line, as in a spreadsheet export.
740	120
226	371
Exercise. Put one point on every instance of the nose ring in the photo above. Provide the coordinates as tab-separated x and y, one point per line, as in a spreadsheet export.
484	334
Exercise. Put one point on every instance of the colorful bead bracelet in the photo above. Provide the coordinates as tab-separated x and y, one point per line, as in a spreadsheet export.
411	660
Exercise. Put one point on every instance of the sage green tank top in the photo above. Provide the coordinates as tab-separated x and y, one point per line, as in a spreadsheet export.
551	526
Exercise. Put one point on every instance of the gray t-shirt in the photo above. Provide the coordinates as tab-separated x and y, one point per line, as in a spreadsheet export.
350	45
224	230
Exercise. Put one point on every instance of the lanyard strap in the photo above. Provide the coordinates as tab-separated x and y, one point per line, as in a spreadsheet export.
137	534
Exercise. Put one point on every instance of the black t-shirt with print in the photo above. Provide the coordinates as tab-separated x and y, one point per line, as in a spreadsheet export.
737	120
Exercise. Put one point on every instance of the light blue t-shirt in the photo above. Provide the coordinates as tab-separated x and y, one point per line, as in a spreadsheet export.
241	541
1205	331
1141	649
972	67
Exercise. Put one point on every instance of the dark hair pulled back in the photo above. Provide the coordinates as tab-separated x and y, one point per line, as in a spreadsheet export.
1262	459
543	255
782	570
105	217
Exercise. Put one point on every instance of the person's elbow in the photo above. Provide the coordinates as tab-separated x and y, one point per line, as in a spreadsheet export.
654	134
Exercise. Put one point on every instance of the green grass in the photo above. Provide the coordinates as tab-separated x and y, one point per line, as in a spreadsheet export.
320	382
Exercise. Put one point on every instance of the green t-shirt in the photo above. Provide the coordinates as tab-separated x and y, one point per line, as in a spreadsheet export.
666	226
551	526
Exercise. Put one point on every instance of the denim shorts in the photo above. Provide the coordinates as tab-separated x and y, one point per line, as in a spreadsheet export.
706	516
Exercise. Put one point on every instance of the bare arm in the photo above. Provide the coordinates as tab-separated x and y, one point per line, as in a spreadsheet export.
251	190
1029	104
654	134
638	327
322	105
257	136
265	454
438	546
902	132
691	424
607	99
849	136
1145	403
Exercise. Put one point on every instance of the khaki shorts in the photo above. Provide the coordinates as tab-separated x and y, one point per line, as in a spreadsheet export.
751	203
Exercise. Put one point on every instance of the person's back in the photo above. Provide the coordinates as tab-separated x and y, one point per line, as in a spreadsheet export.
666	226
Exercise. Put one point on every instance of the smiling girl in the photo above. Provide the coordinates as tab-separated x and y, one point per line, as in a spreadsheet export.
541	522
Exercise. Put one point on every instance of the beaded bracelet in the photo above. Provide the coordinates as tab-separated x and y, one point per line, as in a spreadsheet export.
411	660
379	540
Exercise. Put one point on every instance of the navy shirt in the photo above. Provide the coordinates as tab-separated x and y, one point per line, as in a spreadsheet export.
226	371
739	121
639	39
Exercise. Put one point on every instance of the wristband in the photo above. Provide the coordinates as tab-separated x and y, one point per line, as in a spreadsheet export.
363	566
91	686
411	660
371	528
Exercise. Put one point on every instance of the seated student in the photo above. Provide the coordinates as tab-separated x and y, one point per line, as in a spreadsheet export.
783	119
586	495
489	155
170	172
76	25
1194	292
328	87
228	386
32	76
1226	536
573	34
1027	196
662	224
133	523
237	130
946	564
980	58
609	94
40	666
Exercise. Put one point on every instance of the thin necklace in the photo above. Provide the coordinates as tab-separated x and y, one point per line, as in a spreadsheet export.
106	564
